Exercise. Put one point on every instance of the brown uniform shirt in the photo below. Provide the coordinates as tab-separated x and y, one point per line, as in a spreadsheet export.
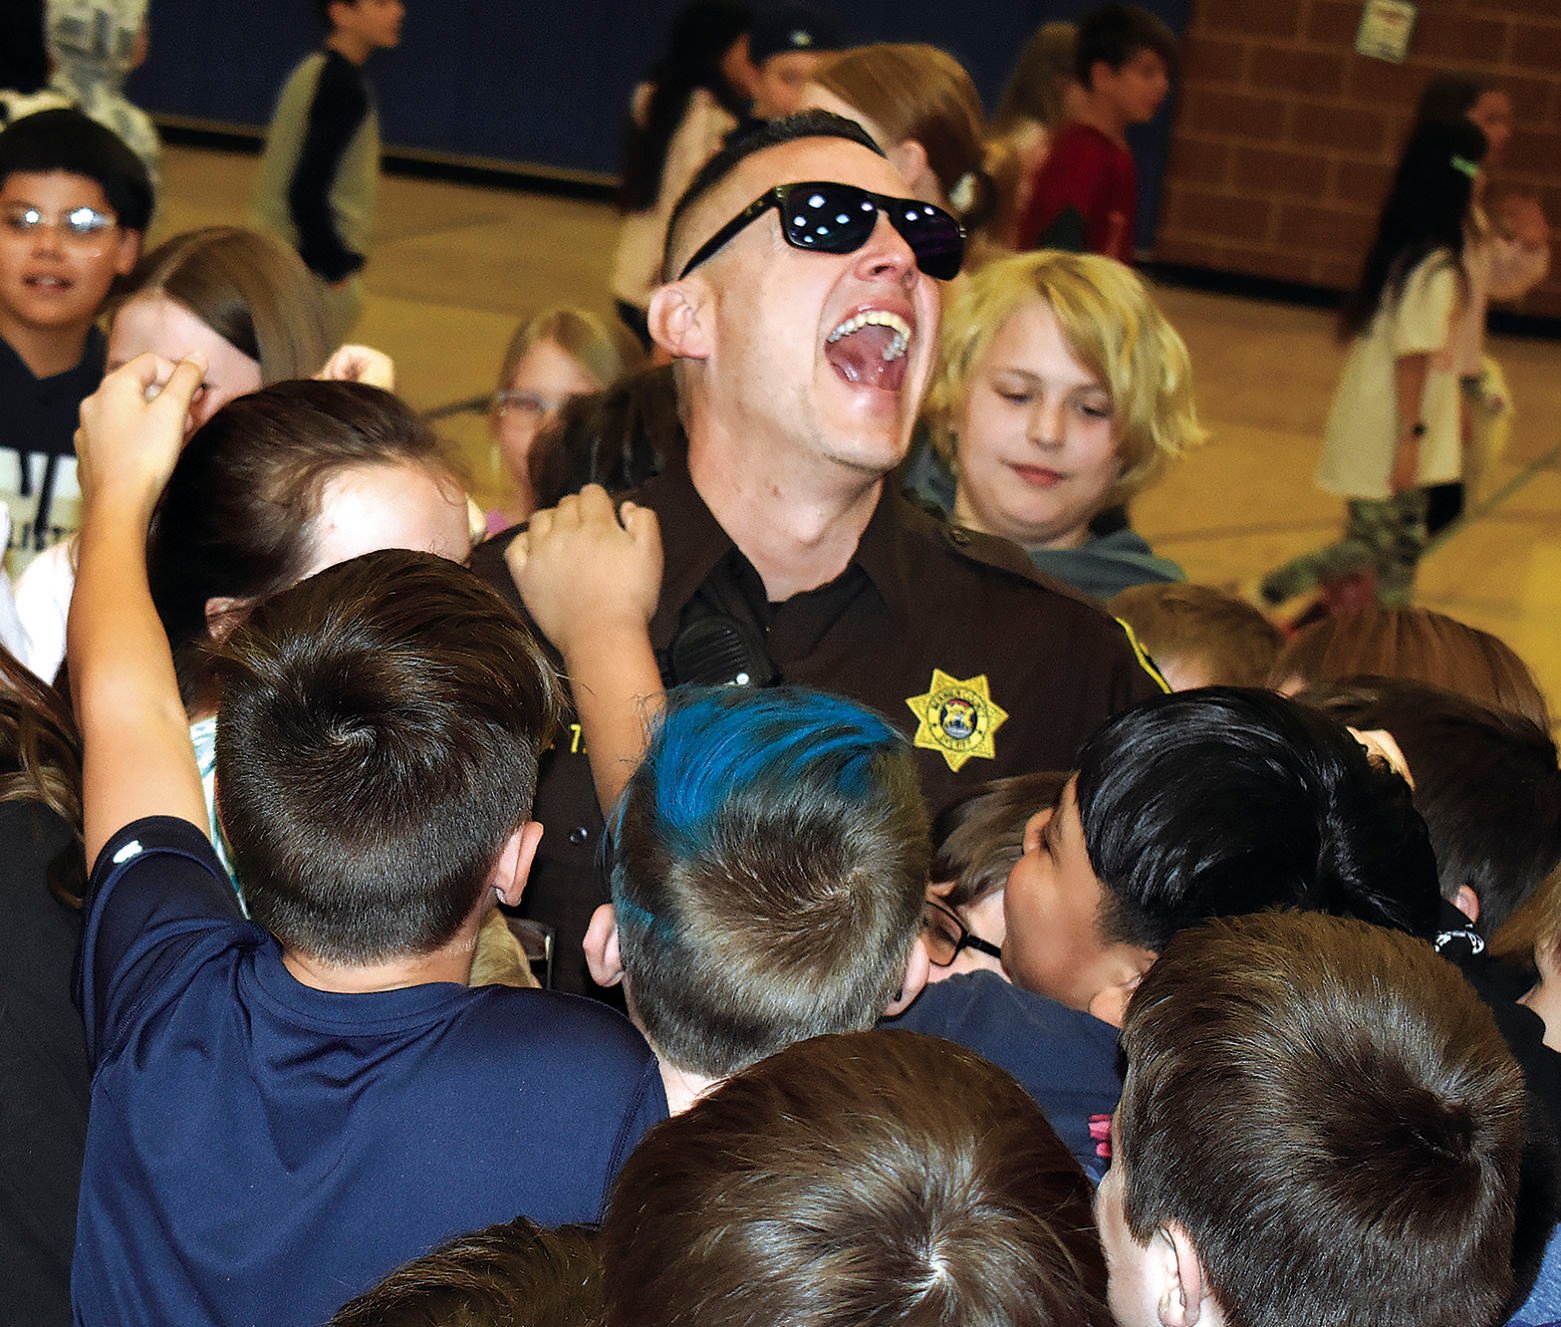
987	666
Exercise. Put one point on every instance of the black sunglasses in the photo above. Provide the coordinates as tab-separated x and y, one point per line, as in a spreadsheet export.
947	934
821	217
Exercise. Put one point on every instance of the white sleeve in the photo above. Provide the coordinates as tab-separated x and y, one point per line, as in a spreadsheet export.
1420	317
43	604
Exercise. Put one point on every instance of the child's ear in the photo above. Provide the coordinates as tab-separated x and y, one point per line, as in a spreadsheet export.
1468	903
513	867
602	955
917	966
909	158
224	614
128	252
675	319
1129	963
1180	1302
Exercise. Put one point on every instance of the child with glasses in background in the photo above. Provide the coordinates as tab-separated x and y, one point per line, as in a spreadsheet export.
976	842
74	202
560	354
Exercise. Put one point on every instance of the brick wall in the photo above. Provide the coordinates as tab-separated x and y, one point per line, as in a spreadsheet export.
1284	137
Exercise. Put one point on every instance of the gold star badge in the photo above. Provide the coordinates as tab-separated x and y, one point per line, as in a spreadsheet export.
957	718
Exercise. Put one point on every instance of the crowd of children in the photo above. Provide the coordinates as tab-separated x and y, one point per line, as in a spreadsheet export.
1101	953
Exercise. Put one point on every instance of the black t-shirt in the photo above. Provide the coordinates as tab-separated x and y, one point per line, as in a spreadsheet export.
43	1072
38	418
987	666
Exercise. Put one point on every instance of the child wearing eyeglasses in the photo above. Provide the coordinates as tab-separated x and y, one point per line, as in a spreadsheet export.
976	842
559	354
74	202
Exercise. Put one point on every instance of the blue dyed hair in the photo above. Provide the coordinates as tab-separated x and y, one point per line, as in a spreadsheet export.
768	862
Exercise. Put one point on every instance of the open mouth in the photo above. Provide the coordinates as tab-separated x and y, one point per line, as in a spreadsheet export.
45	281
869	349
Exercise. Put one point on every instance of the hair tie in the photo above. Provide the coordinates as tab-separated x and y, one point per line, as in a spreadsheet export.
963	194
1466	167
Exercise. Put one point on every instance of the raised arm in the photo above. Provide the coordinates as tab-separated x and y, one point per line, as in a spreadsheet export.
591	584
137	757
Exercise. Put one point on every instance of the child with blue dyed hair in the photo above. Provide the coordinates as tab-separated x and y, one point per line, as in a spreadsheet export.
767	860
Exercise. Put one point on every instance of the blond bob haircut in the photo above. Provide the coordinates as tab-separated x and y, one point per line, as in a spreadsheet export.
1114	329
914	91
606	350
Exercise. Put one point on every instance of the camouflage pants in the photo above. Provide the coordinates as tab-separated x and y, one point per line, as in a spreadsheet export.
1386	535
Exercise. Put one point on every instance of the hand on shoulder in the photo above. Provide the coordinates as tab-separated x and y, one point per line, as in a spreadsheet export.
583	569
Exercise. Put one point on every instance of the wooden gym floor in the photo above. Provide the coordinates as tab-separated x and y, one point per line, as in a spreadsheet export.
455	267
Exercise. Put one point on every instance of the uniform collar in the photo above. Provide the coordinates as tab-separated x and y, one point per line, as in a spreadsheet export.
694	543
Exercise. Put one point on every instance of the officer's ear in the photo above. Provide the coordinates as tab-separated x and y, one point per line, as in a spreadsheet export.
678	318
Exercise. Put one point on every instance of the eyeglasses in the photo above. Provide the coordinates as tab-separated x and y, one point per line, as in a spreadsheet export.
528	405
821	217
83	227
946	935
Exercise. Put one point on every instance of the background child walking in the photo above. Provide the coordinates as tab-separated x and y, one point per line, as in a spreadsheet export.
1393	429
320	170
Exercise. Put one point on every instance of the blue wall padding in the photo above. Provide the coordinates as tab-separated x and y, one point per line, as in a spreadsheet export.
543	83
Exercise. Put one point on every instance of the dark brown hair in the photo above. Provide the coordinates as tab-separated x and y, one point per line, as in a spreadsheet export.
977	839
1414	643
1365	1164
618	438
512	1275
236	519
1485	781
377	743
858	1180
1197	623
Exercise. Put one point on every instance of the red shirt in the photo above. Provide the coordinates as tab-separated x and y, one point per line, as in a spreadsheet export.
1087	182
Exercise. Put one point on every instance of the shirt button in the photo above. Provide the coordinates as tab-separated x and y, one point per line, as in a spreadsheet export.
959	537
578	835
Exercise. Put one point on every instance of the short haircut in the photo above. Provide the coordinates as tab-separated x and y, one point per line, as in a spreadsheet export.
1414	643
251	289
1486	783
1225	800
1113	327
377	744
606	349
1114	34
1197	623
70	143
1365	1167
744	143
915	91
855	1181
978	838
768	862
237	517
513	1275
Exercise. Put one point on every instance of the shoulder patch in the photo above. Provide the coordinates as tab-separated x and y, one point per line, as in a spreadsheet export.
1142	655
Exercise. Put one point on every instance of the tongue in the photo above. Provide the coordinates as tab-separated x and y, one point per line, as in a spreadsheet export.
858	358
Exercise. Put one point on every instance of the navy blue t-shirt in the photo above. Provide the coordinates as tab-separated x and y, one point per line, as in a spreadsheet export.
1065	1059
261	1151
